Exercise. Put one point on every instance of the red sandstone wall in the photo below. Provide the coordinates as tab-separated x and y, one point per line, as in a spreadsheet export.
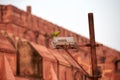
25	25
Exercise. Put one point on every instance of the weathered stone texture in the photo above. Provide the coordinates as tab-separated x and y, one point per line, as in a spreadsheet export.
16	24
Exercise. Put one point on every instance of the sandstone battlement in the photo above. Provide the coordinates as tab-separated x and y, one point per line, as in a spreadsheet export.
16	25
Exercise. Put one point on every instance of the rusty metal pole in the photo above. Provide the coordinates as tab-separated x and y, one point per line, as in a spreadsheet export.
92	46
1	13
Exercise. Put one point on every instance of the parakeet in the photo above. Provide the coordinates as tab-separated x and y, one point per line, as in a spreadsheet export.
56	33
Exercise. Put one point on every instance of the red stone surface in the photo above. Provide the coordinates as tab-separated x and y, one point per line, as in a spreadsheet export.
5	68
21	25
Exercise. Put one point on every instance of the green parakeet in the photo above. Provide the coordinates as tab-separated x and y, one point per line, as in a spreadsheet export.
56	33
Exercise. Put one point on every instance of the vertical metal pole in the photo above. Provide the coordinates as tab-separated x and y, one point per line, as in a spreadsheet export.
93	46
1	13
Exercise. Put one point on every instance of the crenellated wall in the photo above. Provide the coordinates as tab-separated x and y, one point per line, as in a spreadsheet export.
22	24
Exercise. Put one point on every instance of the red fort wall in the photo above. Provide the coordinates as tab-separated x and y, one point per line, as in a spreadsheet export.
22	24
